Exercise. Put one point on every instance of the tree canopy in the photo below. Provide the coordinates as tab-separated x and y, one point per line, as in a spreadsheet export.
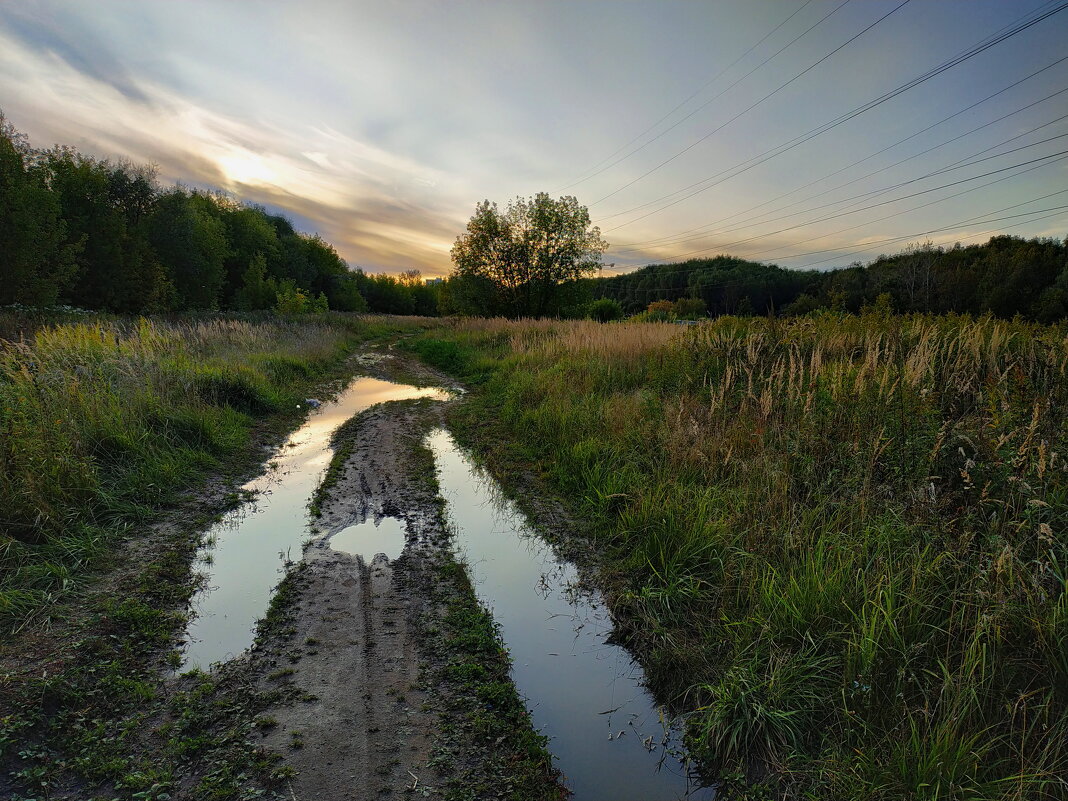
1005	276
520	262
104	235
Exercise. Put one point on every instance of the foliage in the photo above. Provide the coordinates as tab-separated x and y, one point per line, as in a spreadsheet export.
838	541
403	294
725	284
1006	276
515	261
38	263
104	422
605	310
691	308
292	301
102	235
659	311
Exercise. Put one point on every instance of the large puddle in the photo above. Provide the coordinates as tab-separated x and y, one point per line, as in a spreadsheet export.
605	729
246	550
606	732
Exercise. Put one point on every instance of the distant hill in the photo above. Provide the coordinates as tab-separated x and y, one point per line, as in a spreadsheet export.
1006	276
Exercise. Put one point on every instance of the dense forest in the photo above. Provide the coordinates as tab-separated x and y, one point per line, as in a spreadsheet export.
1007	276
104	235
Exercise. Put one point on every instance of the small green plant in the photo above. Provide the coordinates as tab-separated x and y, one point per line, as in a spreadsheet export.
292	301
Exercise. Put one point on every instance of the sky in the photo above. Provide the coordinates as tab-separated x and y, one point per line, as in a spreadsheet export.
797	133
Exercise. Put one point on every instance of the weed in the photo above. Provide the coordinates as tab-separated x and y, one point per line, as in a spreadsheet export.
837	541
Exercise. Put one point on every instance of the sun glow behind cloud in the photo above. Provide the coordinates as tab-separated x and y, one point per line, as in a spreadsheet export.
380	125
243	167
360	197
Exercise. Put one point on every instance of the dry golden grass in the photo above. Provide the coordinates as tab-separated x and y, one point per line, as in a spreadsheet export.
565	337
843	537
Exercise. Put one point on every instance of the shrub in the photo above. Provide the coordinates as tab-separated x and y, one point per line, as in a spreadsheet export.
605	310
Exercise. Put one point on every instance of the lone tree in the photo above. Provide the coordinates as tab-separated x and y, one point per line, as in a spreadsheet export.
520	262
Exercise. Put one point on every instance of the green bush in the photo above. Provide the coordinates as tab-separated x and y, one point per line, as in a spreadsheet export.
605	310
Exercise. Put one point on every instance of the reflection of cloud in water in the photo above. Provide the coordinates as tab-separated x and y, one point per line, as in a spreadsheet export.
252	543
387	535
607	733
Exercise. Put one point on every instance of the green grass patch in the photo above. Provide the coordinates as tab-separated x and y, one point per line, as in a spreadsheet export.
837	542
103	422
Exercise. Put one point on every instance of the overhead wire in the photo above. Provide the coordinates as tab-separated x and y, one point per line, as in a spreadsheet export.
1058	211
754	105
704	86
819	130
843	230
753	254
676	236
959	164
846	247
876	205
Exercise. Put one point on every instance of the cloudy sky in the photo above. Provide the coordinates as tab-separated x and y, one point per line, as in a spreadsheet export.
788	132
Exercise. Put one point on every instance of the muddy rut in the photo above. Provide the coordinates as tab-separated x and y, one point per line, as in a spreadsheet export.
356	723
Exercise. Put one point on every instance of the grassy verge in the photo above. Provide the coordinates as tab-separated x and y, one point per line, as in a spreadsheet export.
107	428
481	708
344	443
103	423
838	542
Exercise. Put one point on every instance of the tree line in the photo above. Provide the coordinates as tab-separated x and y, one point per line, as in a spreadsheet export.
1007	276
104	235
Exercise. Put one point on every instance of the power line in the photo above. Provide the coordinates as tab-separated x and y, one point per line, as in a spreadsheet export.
846	247
712	80
675	237
960	164
1058	212
912	209
891	239
691	97
746	111
779	150
881	203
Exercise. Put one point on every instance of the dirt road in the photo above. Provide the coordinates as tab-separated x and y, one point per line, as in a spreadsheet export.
360	643
370	677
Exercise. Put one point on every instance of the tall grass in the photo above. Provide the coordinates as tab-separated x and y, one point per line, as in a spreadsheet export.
843	539
102	422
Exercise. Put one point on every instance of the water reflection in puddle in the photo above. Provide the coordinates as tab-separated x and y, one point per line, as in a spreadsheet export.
368	539
245	552
587	695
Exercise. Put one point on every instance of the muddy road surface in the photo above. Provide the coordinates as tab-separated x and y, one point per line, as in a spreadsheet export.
375	698
358	726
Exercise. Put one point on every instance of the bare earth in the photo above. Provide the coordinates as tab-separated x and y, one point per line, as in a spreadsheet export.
351	637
